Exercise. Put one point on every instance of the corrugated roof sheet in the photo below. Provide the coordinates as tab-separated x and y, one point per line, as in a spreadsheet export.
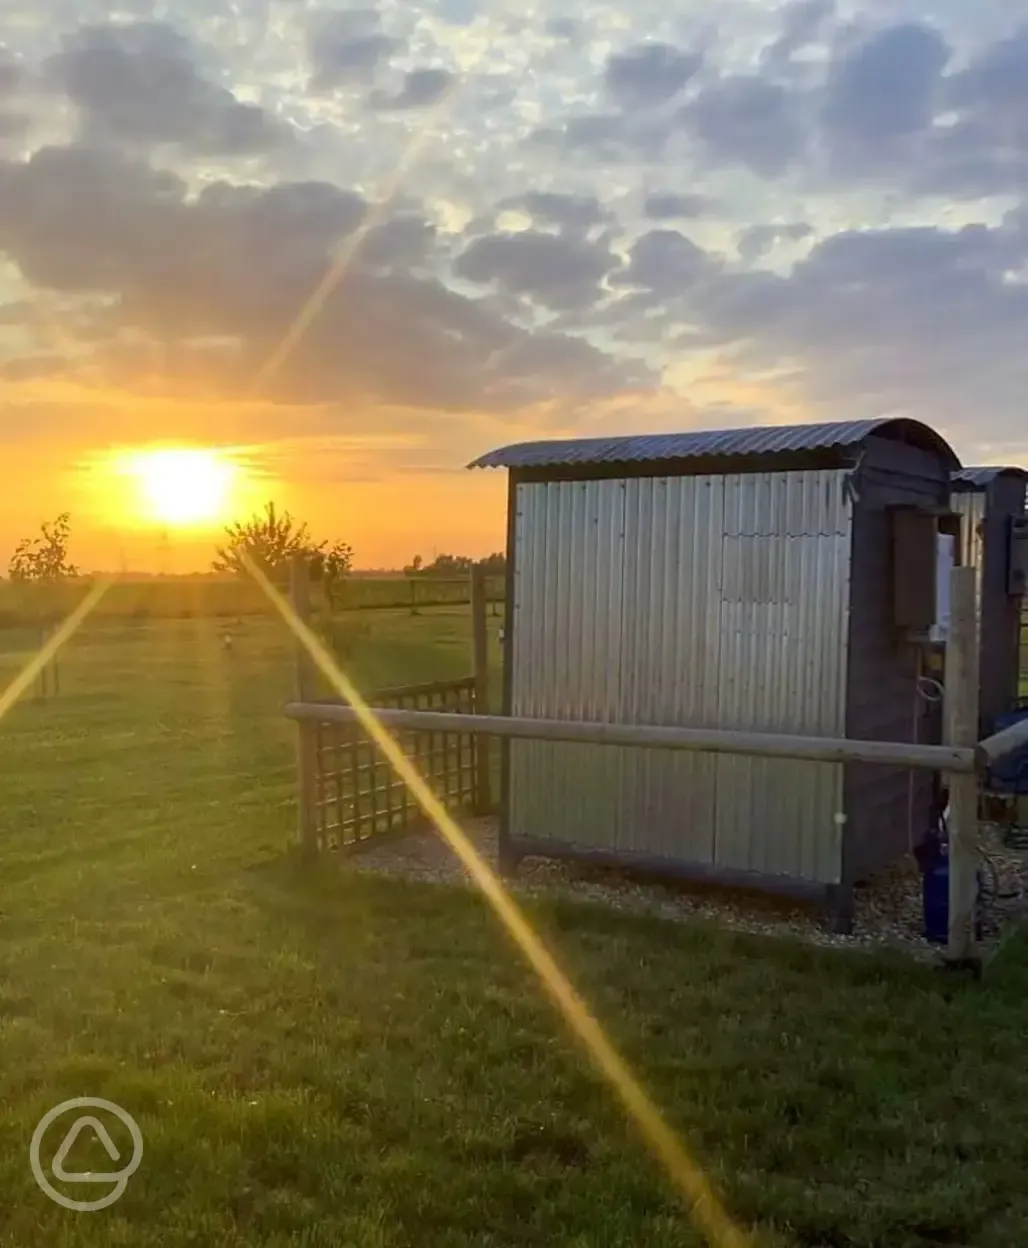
703	443
982	478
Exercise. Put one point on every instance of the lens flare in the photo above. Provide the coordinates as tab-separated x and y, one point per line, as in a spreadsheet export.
688	1177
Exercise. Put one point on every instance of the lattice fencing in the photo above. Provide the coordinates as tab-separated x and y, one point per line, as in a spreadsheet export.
355	793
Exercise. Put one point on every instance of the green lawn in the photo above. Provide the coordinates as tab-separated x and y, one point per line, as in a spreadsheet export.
326	1059
166	598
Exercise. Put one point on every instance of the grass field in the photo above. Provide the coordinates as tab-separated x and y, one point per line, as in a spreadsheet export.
206	597
322	1059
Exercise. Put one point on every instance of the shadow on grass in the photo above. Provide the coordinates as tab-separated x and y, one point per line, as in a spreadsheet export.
320	897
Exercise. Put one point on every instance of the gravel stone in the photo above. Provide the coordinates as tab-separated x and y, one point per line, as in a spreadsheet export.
887	911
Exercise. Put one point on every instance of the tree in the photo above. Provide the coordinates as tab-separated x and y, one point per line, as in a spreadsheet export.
330	563
447	565
272	540
39	564
43	560
269	539
456	565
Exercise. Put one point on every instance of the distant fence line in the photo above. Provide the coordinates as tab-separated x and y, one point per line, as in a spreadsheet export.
184	598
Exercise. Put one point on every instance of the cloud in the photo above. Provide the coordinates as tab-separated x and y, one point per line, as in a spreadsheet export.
840	105
347	46
421	88
803	23
221	275
667	205
139	83
918	319
562	27
758	240
995	80
648	75
608	138
746	120
14	108
558	272
985	150
664	261
13	76
575	213
886	88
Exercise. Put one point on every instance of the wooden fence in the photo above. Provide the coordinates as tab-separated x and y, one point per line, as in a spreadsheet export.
356	795
349	794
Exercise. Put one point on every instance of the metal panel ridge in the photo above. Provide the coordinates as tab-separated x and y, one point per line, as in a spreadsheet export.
568	574
784	617
982	478
699	443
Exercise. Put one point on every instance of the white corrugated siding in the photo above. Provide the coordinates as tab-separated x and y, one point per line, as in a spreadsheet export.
705	600
566	645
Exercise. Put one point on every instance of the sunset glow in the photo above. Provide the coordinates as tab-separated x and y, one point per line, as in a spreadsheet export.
708	225
179	487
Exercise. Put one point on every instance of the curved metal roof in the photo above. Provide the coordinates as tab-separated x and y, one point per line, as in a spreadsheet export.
982	478
709	443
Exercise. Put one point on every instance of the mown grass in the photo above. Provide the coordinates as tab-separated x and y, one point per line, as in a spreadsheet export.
206	597
321	1059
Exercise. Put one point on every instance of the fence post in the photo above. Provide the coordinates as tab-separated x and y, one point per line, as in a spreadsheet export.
42	681
480	649
55	672
307	737
961	711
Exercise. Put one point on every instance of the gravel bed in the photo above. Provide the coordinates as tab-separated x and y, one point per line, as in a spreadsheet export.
888	907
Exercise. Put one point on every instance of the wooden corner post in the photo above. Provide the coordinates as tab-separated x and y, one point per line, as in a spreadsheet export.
307	733
480	649
961	713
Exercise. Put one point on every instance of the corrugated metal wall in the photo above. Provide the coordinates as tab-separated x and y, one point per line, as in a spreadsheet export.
713	600
565	656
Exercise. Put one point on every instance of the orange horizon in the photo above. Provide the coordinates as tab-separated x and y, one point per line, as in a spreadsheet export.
387	521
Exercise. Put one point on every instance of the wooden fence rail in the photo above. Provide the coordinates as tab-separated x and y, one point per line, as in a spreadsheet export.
962	760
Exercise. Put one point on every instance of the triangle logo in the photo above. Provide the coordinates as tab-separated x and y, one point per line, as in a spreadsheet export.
102	1134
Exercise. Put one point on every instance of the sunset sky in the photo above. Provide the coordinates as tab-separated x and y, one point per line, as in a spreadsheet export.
573	218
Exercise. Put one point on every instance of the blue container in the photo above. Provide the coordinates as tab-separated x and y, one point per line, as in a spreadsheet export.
1010	774
935	893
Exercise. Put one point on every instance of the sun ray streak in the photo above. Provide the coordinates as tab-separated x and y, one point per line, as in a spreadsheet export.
686	1174
348	250
53	644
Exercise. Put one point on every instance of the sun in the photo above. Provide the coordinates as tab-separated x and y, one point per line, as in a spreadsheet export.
182	487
